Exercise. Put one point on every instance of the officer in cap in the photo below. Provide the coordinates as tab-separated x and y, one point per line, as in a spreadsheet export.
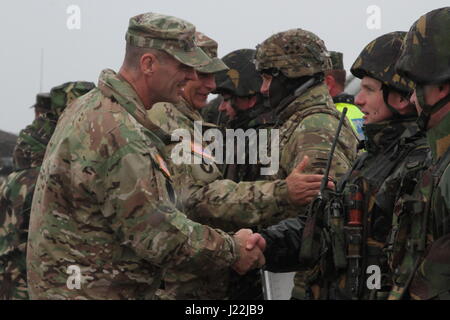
103	222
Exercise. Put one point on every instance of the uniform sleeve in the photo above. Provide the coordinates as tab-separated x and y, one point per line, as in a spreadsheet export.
314	137
283	243
146	221
230	205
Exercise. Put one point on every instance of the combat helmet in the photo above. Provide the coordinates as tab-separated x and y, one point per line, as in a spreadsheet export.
296	53
241	79
425	56
377	60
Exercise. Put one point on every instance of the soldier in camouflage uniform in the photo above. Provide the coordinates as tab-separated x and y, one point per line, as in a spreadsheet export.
421	244
204	195
340	241
239	94
16	196
238	90
103	221
292	65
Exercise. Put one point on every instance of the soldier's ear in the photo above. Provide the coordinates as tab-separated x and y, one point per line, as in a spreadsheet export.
252	101
147	63
330	81
444	89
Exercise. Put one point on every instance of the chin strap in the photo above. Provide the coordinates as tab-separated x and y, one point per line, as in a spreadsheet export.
428	110
386	91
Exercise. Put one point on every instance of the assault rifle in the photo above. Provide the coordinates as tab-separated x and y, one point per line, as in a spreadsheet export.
325	218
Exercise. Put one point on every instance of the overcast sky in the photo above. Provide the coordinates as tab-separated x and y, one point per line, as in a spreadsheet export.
29	27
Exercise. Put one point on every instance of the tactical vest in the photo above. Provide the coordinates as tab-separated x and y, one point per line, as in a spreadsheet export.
344	235
410	238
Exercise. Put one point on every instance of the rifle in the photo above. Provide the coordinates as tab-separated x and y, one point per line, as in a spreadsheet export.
325	214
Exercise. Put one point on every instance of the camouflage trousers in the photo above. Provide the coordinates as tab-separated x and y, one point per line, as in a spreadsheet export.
13	277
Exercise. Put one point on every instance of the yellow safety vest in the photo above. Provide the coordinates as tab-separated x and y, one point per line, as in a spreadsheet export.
355	116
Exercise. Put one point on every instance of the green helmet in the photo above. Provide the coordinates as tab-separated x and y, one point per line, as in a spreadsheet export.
377	60
241	79
425	58
296	53
64	94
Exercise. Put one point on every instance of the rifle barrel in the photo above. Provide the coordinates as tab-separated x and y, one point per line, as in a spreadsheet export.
333	146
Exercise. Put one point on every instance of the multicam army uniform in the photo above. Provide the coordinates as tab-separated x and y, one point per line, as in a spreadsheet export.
16	196
421	255
104	202
207	198
307	119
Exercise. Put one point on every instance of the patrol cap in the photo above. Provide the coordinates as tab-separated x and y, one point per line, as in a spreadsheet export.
61	96
337	61
209	46
43	102
170	34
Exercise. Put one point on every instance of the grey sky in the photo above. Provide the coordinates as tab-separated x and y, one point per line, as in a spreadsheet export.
27	26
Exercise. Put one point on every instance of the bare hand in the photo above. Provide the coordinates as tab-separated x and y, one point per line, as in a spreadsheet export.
302	188
256	240
249	259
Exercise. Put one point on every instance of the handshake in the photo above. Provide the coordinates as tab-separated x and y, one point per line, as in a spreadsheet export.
251	246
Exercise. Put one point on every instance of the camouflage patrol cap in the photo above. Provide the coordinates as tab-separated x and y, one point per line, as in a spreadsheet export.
170	34
337	60
295	53
209	46
425	56
377	60
64	94
43	102
241	79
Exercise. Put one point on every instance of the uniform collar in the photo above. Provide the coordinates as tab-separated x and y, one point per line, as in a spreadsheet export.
115	87
188	110
315	95
382	135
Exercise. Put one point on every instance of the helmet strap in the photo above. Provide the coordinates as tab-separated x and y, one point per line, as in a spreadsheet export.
428	110
386	91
